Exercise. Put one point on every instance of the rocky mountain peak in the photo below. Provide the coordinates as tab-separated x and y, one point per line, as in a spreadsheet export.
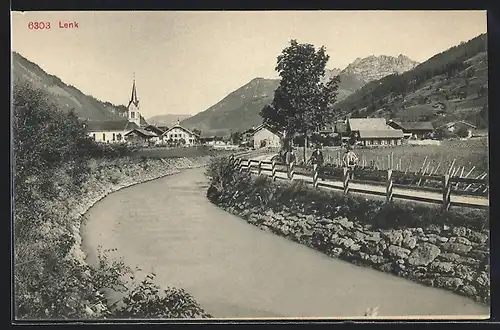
376	67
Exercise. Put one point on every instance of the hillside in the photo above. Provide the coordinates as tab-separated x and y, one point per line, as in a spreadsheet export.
66	96
450	85
240	110
166	120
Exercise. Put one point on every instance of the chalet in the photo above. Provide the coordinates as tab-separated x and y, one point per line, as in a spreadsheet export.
116	131
342	130
181	135
373	132
266	136
456	126
139	136
157	132
415	130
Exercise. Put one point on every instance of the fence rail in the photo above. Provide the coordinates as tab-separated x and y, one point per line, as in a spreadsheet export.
446	194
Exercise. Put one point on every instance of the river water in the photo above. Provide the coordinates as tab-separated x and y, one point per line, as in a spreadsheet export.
236	270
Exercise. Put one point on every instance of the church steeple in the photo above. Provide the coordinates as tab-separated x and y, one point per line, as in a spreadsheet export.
133	106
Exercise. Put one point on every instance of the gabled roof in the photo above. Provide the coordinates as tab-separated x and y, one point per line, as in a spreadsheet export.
142	132
417	126
458	122
367	124
122	125
268	127
182	128
380	134
154	129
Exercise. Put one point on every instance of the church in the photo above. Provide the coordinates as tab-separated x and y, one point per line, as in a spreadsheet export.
129	130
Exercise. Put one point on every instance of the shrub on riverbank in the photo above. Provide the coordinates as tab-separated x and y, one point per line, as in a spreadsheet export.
263	193
56	168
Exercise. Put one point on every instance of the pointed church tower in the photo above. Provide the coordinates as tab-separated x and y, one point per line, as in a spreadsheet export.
133	107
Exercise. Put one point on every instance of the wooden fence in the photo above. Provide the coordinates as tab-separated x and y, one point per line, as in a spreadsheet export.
446	194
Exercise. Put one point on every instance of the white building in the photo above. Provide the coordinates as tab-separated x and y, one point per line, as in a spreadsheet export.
179	135
265	136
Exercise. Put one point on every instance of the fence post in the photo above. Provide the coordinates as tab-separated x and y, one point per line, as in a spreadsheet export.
446	192
273	170
259	168
290	170
346	180
315	175
249	166
389	194
240	165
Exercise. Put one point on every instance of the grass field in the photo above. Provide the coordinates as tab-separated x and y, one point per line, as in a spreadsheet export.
466	154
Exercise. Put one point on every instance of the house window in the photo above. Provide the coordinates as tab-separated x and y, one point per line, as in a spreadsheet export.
119	137
114	138
190	140
132	114
93	136
104	136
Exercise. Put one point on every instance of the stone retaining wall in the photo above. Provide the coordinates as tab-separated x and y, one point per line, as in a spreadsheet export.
455	258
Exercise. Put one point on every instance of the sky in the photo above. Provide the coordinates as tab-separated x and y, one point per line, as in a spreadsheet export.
186	61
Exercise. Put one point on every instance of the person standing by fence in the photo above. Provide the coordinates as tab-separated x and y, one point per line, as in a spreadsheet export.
350	160
317	159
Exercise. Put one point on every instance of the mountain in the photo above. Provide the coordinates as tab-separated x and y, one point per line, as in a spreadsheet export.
166	120
452	85
376	67
240	110
67	97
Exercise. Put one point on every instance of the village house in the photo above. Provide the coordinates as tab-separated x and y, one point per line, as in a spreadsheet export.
264	136
456	126
413	130
180	135
109	131
142	137
373	132
247	137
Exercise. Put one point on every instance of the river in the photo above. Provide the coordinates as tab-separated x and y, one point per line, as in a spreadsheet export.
236	270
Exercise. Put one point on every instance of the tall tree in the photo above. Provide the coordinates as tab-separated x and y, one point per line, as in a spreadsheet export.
303	102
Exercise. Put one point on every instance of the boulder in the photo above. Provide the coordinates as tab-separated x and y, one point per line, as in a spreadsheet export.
465	272
441	267
397	252
483	279
456	248
409	242
370	248
468	290
459	240
394	237
436	239
423	254
459	231
336	252
453	257
477	237
451	283
355	247
344	222
373	236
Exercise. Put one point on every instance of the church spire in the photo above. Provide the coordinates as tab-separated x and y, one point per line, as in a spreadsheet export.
133	98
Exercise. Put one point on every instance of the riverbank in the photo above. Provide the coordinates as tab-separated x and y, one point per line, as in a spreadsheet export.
453	257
